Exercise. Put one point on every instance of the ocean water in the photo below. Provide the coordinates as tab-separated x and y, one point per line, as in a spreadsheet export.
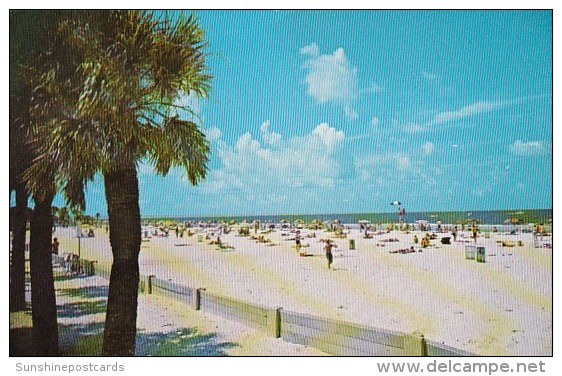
490	217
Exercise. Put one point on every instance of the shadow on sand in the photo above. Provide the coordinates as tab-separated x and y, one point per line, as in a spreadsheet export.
182	342
83	334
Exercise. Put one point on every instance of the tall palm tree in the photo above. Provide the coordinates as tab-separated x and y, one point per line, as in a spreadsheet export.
43	302
29	32
118	106
20	158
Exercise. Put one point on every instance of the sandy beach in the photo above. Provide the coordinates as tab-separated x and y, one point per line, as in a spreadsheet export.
500	307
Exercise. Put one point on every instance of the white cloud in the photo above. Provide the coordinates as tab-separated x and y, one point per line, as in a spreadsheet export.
276	164
470	110
246	143
375	122
448	116
311	49
445	118
428	148
268	136
529	148
331	78
212	134
329	136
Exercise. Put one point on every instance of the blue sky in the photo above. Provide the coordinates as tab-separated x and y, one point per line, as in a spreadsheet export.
346	111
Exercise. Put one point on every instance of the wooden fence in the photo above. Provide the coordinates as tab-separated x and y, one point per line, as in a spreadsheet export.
331	336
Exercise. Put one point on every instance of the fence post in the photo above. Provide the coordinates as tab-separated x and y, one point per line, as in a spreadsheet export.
149	284
143	281
414	345
274	322
196	299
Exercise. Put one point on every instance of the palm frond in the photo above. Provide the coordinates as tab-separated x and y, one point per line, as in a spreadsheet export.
179	143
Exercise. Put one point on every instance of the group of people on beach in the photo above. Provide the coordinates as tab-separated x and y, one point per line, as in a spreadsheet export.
328	246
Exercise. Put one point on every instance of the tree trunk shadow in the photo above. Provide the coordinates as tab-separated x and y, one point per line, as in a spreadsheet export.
182	342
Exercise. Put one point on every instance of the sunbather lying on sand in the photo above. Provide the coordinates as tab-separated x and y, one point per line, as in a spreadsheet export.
389	240
404	250
225	246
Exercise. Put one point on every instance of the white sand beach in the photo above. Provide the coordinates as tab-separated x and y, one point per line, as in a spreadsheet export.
500	307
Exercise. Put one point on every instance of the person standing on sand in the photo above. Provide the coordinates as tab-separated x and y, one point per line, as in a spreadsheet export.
328	249
454	233
298	241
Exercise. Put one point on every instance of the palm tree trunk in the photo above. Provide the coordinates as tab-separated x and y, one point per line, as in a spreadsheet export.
122	195
43	302
17	271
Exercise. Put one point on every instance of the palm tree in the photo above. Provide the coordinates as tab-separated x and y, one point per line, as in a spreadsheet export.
43	302
20	159
118	106
28	34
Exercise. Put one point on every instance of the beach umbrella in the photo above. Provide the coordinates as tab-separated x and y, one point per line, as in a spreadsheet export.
284	221
364	221
395	203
